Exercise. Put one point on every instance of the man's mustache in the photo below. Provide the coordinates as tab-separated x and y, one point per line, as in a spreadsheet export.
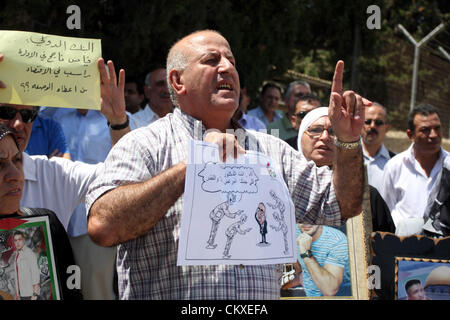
372	130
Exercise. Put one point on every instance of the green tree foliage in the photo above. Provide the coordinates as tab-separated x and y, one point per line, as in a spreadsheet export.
267	37
137	34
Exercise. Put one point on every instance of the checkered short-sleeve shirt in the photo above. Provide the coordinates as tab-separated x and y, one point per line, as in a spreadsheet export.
146	265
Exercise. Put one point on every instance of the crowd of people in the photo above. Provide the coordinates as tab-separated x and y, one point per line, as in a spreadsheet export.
113	180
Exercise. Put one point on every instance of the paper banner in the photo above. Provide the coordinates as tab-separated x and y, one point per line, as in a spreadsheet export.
48	70
238	212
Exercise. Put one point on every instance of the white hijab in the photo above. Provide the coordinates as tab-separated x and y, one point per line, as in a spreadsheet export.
307	121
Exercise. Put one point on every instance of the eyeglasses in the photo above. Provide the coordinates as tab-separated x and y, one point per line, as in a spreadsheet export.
316	131
378	122
301	114
8	113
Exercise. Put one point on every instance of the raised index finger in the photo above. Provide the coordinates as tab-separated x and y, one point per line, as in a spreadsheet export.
337	78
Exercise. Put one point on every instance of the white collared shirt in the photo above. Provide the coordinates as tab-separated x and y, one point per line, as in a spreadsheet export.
142	118
375	166
406	189
26	273
89	141
57	184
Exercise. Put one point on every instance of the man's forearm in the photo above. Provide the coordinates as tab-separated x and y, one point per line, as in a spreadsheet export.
348	178
324	280
130	211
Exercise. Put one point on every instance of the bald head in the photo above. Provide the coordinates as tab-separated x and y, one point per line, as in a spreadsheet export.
202	78
178	57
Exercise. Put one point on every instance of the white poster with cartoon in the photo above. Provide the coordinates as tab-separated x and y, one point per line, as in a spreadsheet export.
237	212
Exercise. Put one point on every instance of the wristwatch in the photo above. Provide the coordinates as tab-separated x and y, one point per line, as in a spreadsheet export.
307	254
119	126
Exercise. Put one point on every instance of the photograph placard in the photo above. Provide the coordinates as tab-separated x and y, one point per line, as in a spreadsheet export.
27	264
422	279
396	256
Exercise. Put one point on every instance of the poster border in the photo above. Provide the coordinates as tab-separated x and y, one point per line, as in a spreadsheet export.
42	221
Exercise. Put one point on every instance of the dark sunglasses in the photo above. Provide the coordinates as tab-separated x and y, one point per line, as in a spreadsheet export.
8	113
377	122
301	114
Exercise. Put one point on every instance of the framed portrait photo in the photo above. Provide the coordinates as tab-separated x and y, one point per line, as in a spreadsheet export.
401	259
27	264
340	250
344	251
422	279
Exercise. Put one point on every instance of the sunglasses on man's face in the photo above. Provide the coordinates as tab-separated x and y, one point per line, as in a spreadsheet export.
377	122
9	113
301	114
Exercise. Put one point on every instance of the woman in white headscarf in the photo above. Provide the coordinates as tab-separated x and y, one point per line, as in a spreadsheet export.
315	137
316	144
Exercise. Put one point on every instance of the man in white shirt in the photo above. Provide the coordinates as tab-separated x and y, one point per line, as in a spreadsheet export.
410	176
155	90
27	274
375	154
84	129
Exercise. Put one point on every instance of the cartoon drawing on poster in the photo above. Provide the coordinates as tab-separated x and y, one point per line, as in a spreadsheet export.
279	218
221	196
260	216
217	215
232	230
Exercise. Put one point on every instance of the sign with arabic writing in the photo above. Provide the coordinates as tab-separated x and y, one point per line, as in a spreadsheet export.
235	212
47	70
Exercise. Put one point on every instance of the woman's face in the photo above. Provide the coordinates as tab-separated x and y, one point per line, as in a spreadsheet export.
317	142
11	176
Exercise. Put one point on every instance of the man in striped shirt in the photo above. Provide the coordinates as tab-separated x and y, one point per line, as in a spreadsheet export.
323	256
138	199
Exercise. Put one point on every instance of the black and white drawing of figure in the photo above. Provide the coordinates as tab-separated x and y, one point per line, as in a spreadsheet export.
231	231
260	216
278	203
216	215
279	217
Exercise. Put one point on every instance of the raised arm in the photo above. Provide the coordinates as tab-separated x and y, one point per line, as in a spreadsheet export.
346	113
113	98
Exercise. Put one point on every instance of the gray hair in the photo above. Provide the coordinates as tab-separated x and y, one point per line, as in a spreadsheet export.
148	77
178	60
293	84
